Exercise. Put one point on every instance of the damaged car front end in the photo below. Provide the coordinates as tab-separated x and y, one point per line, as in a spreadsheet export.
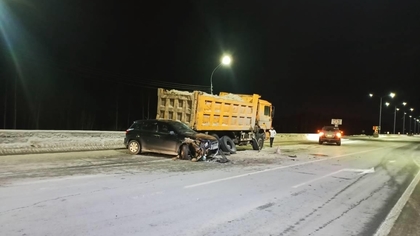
199	148
172	138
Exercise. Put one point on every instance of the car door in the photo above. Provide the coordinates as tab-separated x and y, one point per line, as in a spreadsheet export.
150	136
168	138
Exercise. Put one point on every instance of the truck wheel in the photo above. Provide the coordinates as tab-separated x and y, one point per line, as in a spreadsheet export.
254	144
184	153
260	142
134	147
227	145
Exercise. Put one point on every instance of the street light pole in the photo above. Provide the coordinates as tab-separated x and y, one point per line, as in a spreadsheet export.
418	126
403	130
225	61
392	95
380	115
409	121
395	115
211	78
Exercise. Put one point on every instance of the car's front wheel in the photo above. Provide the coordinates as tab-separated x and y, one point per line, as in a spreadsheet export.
134	147
339	143
185	152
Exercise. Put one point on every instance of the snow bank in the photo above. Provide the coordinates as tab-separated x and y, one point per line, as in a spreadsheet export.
41	141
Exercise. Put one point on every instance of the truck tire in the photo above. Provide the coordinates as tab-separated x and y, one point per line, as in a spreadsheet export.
254	144
261	141
227	145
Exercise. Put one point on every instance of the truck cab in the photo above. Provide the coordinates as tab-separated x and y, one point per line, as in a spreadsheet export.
265	115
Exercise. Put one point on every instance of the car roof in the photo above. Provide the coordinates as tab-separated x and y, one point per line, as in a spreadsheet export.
161	120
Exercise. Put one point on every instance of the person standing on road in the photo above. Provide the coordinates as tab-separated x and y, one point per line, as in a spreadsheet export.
272	135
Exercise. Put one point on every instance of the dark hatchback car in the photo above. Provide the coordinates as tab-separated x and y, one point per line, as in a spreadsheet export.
169	137
330	134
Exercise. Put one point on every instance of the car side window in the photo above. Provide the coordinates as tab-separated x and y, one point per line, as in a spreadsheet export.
163	128
149	126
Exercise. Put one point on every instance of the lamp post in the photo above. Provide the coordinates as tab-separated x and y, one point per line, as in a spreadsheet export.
418	126
226	60
395	115
403	129
409	121
411	109
392	95
404	103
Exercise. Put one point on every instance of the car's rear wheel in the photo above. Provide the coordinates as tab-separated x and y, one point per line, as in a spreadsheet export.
134	147
339	143
320	142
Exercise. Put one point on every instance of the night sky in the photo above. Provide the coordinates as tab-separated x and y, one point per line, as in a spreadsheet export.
95	65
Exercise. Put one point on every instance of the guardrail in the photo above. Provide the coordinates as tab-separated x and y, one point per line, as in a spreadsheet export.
45	141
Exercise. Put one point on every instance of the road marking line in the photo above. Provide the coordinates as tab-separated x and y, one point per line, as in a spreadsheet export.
316	179
277	168
393	215
363	171
418	164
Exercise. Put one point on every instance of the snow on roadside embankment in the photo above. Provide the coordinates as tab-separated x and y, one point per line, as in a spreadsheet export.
42	141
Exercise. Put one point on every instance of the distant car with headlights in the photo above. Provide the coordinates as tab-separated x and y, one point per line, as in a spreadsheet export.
330	134
169	137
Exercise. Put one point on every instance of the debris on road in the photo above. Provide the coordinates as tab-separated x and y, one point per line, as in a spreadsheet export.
278	151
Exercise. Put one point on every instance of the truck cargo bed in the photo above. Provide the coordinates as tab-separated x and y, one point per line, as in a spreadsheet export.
206	112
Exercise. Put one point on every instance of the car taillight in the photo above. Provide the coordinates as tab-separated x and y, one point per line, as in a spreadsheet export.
126	131
321	133
338	135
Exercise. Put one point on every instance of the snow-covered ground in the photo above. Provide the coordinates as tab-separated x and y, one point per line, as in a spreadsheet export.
37	141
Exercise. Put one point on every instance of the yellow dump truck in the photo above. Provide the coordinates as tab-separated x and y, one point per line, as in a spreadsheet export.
236	119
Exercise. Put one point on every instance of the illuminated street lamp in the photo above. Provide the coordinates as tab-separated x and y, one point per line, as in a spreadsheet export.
226	60
392	95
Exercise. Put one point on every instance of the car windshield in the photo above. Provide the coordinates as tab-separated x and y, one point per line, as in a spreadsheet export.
182	128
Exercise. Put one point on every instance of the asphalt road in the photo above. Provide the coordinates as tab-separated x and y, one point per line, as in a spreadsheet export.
307	190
